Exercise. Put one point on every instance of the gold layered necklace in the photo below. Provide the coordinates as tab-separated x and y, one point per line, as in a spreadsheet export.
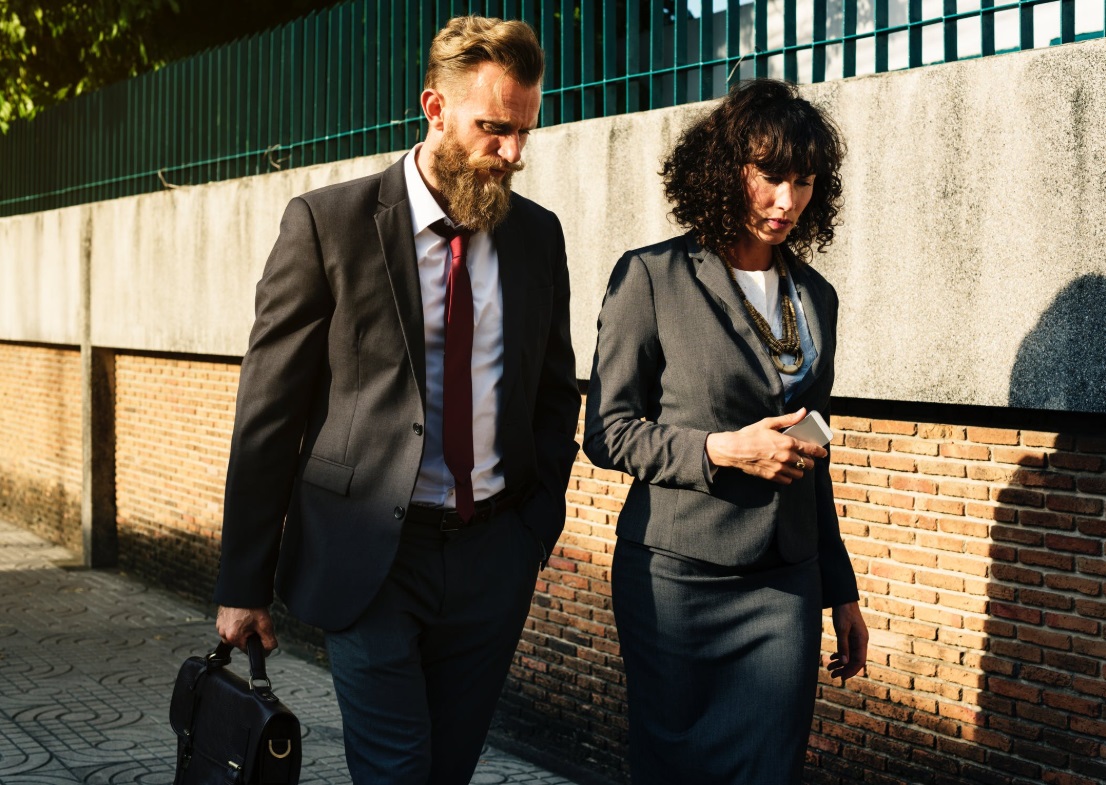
789	343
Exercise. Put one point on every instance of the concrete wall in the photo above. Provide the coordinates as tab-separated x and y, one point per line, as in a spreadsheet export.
175	271
40	276
972	258
969	261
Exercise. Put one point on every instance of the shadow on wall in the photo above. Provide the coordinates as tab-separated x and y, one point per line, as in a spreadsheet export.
1061	364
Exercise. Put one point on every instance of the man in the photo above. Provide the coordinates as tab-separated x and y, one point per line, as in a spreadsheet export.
409	402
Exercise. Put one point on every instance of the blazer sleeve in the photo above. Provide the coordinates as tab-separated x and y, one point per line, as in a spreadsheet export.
838	579
279	374
618	432
556	413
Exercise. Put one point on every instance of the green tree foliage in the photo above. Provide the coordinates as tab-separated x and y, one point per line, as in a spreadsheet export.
52	50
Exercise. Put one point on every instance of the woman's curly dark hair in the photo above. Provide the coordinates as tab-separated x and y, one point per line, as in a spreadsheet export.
762	122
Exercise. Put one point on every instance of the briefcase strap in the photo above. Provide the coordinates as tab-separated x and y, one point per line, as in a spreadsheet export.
259	680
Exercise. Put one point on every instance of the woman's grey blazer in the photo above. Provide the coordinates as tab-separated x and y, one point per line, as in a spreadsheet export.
678	358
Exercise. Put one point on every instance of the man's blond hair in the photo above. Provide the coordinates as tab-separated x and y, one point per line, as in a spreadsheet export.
467	41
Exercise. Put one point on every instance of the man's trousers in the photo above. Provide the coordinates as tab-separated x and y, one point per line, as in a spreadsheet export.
419	674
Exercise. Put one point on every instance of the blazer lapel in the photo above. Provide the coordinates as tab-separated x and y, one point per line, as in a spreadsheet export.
511	252
712	273
397	244
815	312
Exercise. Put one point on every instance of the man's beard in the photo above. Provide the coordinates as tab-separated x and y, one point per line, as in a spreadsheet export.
475	202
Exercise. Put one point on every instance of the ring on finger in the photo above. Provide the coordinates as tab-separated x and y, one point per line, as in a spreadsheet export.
800	464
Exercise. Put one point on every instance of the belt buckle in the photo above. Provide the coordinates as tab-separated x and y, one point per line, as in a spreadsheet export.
451	522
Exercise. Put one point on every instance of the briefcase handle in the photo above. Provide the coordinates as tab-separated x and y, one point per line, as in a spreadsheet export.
259	681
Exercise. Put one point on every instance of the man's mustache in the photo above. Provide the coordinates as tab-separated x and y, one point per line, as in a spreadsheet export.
491	162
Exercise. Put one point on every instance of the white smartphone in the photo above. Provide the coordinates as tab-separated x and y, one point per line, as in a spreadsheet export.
811	428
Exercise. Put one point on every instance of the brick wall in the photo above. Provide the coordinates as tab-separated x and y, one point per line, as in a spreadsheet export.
979	553
980	559
173	420
40	441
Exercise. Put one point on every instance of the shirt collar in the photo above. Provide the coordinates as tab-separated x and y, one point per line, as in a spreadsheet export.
425	210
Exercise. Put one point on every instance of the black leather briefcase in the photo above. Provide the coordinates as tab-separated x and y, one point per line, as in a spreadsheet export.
231	731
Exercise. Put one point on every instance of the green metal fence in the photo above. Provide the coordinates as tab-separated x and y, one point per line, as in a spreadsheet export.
345	82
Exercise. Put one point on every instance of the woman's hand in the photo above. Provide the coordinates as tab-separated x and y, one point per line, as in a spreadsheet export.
762	451
852	642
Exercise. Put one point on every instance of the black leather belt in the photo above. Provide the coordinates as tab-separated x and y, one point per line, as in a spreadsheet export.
446	519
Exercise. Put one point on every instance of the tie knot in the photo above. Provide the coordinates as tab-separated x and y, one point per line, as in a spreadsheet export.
443	228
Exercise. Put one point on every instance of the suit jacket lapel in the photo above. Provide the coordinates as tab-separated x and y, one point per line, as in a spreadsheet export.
511	252
397	244
712	273
815	312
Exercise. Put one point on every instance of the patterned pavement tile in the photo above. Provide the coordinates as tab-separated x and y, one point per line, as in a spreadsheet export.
87	664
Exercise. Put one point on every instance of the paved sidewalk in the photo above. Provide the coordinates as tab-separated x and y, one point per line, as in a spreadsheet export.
87	664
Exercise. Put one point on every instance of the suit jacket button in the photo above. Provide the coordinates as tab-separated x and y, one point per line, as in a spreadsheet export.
399	512
417	428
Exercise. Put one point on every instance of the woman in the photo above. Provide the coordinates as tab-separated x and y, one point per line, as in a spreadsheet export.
711	344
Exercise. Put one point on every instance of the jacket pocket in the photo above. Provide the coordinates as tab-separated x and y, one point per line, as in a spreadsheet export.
334	477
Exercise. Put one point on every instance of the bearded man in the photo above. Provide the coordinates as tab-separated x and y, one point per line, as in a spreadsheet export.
406	420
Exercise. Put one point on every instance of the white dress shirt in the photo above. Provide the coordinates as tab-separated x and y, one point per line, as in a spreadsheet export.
435	482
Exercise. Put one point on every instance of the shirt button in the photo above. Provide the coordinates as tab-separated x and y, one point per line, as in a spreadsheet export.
399	512
417	428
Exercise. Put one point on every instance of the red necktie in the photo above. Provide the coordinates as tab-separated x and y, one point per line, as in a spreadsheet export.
457	384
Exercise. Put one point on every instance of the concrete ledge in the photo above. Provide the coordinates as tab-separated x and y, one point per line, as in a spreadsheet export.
972	250
176	271
40	276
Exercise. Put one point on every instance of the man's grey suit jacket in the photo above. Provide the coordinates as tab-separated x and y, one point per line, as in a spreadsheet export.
678	358
328	433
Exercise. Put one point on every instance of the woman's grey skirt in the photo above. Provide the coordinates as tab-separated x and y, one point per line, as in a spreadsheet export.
721	668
